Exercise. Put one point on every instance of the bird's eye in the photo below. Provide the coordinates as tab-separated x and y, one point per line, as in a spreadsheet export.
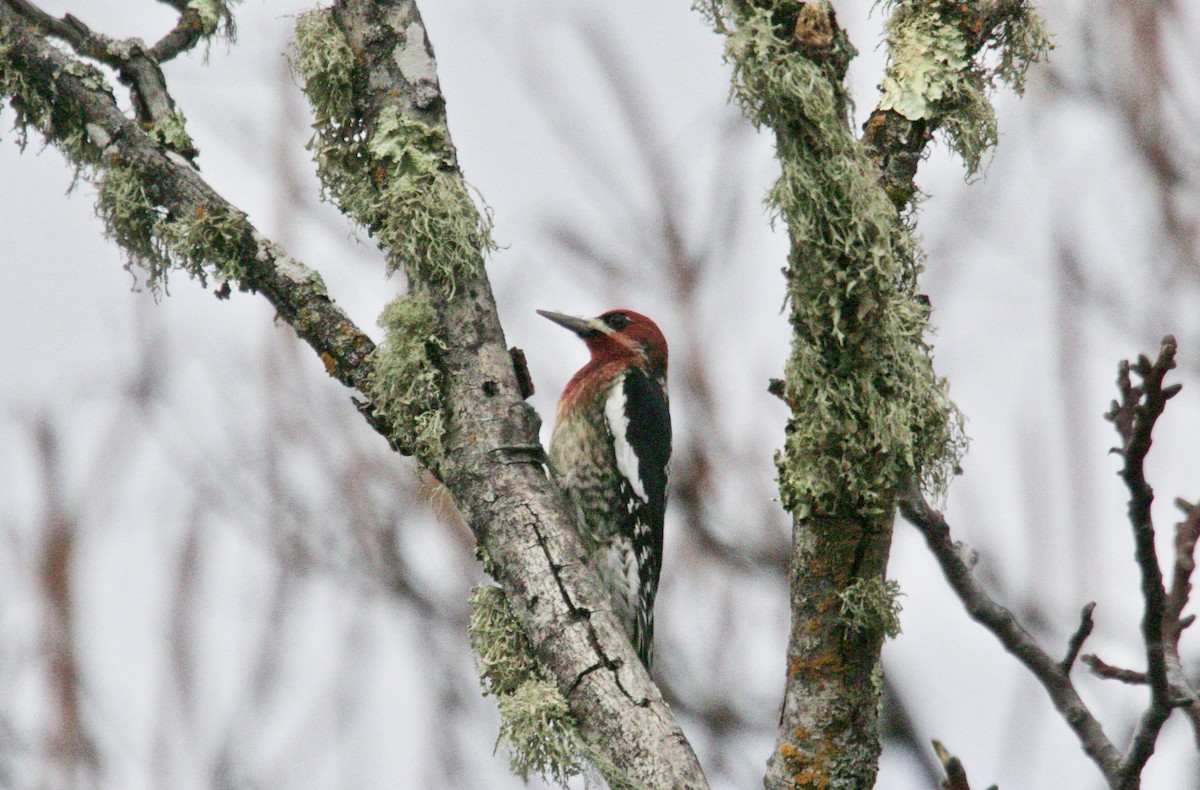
618	320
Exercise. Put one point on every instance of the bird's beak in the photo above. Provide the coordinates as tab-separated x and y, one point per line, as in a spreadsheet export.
584	327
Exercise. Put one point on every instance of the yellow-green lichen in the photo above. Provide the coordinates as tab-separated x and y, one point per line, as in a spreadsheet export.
397	176
872	606
536	726
868	410
404	380
936	74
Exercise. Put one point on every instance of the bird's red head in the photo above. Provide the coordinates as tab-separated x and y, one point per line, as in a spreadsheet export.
619	336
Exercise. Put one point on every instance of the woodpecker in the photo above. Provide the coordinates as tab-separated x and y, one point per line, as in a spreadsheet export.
609	452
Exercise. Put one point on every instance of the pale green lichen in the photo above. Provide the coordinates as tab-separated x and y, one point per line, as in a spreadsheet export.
215	15
503	655
156	240
934	76
34	96
929	64
397	178
868	411
541	736
536	726
871	606
171	131
404	383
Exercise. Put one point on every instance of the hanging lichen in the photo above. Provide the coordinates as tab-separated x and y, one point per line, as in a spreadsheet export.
536	727
397	178
404	380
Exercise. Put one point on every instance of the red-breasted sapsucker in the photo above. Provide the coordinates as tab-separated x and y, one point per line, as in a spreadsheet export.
609	452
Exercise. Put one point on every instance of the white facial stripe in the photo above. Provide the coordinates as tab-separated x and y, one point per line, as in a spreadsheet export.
618	423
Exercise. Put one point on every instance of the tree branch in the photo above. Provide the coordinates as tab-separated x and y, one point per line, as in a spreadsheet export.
1016	640
1134	417
137	67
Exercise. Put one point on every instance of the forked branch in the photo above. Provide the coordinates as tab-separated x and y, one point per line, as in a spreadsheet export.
1134	416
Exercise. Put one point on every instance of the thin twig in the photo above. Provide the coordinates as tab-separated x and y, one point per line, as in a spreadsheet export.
1110	672
1077	639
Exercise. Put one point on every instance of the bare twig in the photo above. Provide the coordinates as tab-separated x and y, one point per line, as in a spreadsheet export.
1076	642
1130	676
1001	622
1134	417
956	774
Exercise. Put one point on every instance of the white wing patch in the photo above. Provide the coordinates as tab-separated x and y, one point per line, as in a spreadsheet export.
618	423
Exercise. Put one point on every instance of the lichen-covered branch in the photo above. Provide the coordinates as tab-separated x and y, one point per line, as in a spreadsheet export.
869	415
938	78
442	385
157	206
137	66
868	412
384	154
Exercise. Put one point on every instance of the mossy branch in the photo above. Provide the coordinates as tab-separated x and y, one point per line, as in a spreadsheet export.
945	59
155	204
870	416
395	173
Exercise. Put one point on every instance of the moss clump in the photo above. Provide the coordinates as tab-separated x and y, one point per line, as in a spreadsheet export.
405	382
536	724
872	606
398	176
868	412
935	72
